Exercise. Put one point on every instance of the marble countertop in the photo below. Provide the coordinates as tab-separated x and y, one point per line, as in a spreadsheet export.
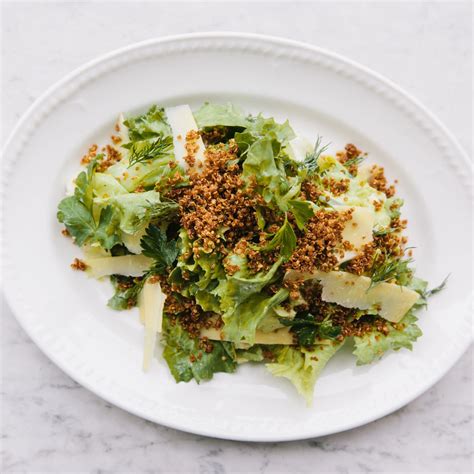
51	424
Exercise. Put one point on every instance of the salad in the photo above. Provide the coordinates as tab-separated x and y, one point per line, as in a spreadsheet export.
241	241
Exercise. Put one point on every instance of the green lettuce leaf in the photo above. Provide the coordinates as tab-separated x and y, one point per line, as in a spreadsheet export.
149	125
241	323
138	209
149	152
268	127
187	361
237	288
373	345
252	354
302	366
228	115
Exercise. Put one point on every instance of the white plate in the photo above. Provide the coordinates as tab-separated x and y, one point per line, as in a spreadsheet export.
66	314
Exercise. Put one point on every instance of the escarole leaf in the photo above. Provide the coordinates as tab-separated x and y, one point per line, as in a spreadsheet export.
228	115
186	360
136	210
236	289
372	345
260	163
152	124
241	323
149	152
302	367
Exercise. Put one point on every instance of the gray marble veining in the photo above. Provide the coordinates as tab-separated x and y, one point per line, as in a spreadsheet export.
50	423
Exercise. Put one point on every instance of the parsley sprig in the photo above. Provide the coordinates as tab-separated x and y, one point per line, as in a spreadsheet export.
156	245
307	329
76	213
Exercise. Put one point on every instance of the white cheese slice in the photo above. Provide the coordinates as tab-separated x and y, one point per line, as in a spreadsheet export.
298	148
132	242
122	130
128	265
182	121
358	230
391	301
280	336
151	302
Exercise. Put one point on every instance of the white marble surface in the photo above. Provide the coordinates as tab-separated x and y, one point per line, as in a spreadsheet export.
49	423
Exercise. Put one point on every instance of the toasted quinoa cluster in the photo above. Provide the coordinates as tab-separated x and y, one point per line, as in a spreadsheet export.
319	247
215	199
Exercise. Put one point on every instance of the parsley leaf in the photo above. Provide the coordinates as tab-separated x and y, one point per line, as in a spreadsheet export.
127	290
75	212
306	328
156	245
77	219
285	239
302	211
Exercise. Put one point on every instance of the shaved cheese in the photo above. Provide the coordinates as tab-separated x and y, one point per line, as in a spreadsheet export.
280	336
182	121
94	251
391	301
358	230
132	242
128	265
122	129
151	302
363	172
299	147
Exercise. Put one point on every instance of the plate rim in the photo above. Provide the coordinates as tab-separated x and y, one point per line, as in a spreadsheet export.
8	159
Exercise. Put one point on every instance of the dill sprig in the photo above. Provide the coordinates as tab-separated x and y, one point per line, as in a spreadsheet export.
356	161
436	289
310	162
150	150
388	269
